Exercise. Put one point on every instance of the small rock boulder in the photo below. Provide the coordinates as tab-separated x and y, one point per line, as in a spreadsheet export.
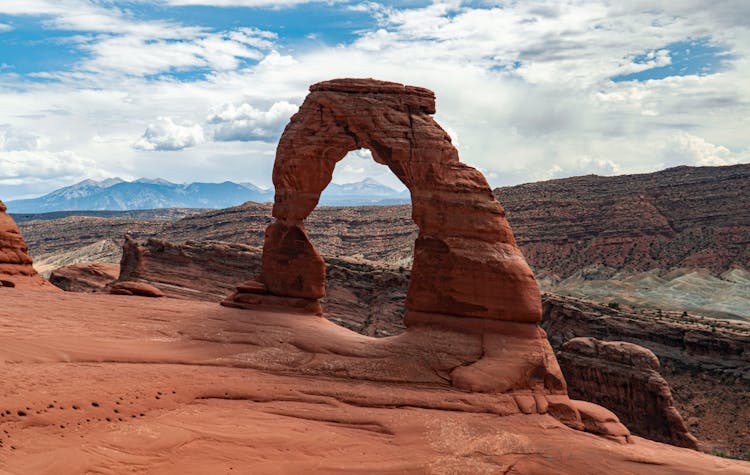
135	288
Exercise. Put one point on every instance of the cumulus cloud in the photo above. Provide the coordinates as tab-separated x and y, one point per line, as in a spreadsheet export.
166	134
23	167
14	141
685	148
246	123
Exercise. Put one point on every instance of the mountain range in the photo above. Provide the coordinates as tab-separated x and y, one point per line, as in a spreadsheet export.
116	194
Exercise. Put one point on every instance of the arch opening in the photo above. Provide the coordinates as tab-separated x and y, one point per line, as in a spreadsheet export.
363	229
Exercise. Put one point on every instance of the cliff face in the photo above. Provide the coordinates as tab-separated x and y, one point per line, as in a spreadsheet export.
624	378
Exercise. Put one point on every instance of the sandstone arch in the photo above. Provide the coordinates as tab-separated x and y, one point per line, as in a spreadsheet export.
473	305
466	262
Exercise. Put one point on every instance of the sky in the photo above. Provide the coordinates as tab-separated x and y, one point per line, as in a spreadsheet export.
200	90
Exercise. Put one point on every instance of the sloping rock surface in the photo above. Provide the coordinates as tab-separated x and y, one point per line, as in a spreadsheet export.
363	296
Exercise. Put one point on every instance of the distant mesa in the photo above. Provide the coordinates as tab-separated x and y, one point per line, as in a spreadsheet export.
116	194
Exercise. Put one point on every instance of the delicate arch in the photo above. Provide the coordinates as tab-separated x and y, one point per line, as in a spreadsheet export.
466	262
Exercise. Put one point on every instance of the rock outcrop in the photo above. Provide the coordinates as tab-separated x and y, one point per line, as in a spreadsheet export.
623	377
89	277
16	268
173	268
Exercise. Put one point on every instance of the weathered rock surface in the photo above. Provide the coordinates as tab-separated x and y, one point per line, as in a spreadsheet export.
705	361
90	277
178	386
369	299
623	377
16	269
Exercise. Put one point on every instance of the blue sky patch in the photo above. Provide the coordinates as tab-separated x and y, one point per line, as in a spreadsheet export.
698	57
31	48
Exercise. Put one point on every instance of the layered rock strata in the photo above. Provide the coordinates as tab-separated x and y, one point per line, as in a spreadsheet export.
16	268
623	377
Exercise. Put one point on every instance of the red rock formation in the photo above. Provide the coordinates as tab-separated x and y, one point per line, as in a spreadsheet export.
16	268
623	377
466	260
468	277
90	277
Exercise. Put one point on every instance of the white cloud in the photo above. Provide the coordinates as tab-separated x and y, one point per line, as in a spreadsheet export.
25	166
685	148
147	55
14	141
5	27
245	122
166	134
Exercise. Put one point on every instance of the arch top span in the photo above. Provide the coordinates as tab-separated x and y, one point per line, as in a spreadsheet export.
466	261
